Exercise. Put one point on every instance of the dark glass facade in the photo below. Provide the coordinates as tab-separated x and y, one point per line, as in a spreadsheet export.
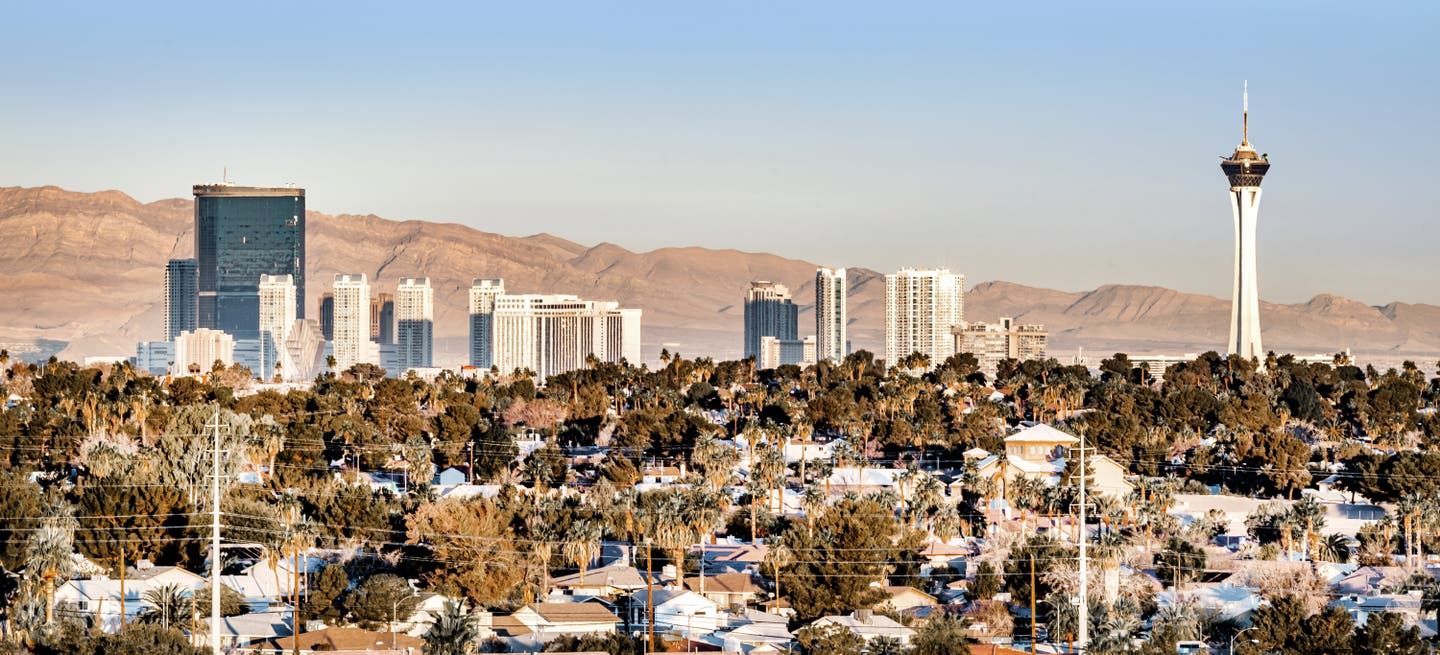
240	234
182	297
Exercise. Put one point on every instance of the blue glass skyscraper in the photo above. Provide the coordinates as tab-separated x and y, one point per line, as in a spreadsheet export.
242	233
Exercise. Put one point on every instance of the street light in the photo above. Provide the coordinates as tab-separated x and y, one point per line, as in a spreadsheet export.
395	609
1232	639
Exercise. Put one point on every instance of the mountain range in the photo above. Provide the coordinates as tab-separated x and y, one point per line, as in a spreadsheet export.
84	276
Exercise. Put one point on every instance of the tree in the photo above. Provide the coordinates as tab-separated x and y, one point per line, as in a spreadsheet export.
987	582
324	596
453	631
826	577
1180	561
942	635
583	545
829	640
1384	633
167	606
474	539
381	600
48	554
231	602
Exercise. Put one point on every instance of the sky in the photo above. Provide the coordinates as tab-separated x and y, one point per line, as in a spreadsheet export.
1063	145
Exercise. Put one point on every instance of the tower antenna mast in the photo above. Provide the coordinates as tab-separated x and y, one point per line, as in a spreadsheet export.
1245	109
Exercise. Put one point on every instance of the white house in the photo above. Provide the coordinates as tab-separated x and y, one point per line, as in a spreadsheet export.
549	621
868	625
1040	452
258	582
684	612
99	597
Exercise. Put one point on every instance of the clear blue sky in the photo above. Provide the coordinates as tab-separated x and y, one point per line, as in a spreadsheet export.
1057	144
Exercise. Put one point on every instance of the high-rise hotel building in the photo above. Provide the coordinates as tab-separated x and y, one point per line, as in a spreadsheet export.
415	332
182	297
483	294
830	317
352	344
242	233
769	312
921	307
552	334
277	318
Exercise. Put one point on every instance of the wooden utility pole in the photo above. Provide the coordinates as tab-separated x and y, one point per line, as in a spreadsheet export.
295	595
122	588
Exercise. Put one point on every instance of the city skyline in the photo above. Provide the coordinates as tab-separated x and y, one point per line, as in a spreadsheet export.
864	120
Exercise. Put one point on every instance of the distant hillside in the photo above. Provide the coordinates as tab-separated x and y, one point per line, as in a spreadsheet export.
84	271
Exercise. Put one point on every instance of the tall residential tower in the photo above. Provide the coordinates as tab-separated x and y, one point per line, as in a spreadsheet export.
352	344
483	293
182	297
921	307
830	336
415	309
1245	169
769	312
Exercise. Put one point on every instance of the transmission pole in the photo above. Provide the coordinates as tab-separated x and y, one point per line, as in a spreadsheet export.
1084	619
215	537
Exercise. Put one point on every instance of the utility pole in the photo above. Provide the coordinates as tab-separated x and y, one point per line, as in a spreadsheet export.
1033	592
295	591
215	537
649	594
122	587
1084	619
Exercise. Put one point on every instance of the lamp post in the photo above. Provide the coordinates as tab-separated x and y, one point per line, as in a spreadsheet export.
395	609
1236	635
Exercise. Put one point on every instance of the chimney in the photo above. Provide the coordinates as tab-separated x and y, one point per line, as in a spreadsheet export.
863	616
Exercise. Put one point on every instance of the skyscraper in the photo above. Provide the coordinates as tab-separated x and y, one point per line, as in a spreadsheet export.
327	315
769	312
182	297
415	308
992	343
830	317
277	318
921	306
242	233
482	320
1245	169
555	334
382	318
352	344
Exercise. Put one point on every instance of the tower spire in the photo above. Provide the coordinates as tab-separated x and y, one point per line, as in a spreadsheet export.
1245	108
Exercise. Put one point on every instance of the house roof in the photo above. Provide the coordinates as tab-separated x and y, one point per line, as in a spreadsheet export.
573	613
905	589
615	575
1041	434
876	625
346	639
731	583
663	596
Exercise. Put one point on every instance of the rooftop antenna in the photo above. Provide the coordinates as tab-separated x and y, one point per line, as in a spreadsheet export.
1245	108
225	175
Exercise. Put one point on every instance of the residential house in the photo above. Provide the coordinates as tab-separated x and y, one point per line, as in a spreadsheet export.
1040	452
734	557
452	476
902	598
753	632
868	625
605	582
338	641
237	631
845	479
662	475
796	449
1409	606
727	589
260	584
548	621
98	597
683	612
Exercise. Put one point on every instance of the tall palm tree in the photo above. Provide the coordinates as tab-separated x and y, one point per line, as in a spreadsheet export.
582	546
48	555
453	631
778	556
1333	548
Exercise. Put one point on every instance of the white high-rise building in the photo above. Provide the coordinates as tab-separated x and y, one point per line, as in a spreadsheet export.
352	344
415	313
830	317
196	351
555	334
921	306
1245	169
277	318
482	320
992	343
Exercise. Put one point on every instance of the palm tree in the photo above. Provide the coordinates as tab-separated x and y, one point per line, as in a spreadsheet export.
453	631
1333	548
583	546
778	556
48	554
541	549
167	605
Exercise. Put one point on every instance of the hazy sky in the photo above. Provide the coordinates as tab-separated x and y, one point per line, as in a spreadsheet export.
1065	144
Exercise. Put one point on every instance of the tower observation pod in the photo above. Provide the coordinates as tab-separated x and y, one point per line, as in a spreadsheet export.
1245	169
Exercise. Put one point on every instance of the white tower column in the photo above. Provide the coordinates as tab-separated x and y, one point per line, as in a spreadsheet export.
1245	169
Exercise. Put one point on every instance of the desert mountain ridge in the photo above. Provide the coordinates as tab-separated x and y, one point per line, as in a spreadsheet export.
84	276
